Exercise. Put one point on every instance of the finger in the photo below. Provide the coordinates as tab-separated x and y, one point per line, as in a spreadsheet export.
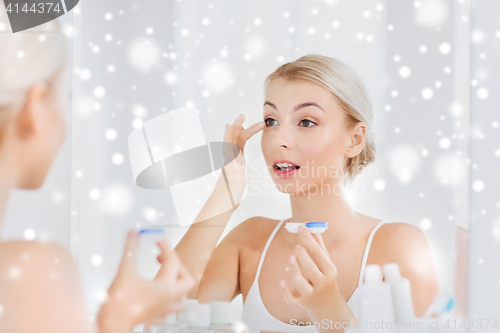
298	284
169	270
228	133
319	239
247	133
287	294
315	251
307	266
128	261
167	273
165	250
238	125
239	120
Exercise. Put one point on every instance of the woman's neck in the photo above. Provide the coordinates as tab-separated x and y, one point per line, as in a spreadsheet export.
331	208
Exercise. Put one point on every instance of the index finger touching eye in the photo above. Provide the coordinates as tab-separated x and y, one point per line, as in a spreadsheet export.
247	133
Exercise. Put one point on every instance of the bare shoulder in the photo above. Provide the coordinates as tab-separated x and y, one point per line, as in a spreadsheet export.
37	253
252	229
408	246
399	234
42	278
405	244
33	264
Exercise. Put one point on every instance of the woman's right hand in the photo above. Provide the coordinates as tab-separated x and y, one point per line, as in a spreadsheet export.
235	169
132	300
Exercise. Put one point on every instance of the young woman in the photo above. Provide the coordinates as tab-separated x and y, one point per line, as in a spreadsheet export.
39	287
317	116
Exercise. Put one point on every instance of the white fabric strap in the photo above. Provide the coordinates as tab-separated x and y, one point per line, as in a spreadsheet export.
263	255
367	249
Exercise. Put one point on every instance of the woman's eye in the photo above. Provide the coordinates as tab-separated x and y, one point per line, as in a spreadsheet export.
267	124
308	121
304	121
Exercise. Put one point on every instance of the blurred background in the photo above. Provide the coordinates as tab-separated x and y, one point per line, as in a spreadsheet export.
429	66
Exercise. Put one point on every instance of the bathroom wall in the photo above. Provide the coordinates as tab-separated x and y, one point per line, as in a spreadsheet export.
484	237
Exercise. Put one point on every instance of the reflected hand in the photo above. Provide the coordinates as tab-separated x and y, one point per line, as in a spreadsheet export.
132	300
235	170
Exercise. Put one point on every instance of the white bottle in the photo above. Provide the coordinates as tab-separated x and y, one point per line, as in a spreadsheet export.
401	293
221	317
183	317
170	325
375	301
199	319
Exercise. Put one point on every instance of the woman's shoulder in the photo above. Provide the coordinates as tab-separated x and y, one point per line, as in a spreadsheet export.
29	260
257	223
23	250
400	230
252	231
41	278
400	240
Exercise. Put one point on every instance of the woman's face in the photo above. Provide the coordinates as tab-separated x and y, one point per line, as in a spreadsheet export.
41	147
305	125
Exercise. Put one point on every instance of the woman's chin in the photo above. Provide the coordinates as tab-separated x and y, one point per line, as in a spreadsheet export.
32	183
289	187
310	187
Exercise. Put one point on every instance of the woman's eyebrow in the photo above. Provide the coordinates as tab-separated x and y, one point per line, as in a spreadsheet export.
300	106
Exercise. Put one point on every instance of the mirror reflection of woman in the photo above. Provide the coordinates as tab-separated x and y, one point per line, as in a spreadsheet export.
40	290
318	116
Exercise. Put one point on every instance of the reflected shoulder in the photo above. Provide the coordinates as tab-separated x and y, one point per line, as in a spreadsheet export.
27	250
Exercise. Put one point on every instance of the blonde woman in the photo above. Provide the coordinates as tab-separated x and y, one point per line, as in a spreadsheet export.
40	290
317	116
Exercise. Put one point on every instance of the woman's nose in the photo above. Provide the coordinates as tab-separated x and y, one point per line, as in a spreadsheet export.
283	138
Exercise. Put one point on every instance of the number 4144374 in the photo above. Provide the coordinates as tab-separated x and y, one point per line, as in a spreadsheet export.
39	7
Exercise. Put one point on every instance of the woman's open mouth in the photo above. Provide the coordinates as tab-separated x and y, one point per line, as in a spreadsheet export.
285	170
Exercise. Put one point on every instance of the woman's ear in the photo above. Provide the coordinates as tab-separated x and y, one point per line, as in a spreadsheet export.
357	140
33	114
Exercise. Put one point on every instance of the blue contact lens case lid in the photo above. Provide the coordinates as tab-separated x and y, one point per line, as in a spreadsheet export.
317	225
151	230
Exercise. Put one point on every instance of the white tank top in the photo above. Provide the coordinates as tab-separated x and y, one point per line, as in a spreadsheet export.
257	318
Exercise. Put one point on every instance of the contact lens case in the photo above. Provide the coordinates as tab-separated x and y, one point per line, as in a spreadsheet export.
313	227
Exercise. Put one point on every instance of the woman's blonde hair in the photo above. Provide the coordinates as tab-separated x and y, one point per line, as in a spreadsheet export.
26	58
341	80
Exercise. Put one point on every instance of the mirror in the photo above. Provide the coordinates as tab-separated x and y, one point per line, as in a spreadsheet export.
429	67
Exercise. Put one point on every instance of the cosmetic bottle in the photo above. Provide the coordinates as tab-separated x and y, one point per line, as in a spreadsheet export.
443	305
170	326
199	319
401	293
183	316
375	301
221	318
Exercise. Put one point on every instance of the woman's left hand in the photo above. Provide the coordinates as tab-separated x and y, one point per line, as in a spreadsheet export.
311	277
